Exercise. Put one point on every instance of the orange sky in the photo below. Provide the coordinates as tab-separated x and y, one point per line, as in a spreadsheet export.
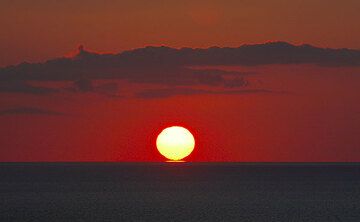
43	29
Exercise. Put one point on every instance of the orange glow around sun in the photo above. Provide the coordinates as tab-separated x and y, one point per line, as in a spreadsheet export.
175	143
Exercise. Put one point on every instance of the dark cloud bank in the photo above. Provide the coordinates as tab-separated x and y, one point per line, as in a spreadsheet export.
159	63
166	66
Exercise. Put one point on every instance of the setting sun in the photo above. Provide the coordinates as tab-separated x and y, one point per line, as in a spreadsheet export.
175	143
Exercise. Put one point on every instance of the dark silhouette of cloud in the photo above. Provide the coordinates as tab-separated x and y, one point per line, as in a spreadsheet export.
156	63
28	110
110	88
168	67
237	82
170	92
84	85
23	87
182	76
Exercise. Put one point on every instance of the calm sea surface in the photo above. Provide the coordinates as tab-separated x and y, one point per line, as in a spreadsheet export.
179	192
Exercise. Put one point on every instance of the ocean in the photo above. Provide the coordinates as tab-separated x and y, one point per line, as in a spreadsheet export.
179	192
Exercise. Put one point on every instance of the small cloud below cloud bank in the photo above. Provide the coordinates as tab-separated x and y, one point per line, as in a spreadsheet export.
23	87
170	92
29	111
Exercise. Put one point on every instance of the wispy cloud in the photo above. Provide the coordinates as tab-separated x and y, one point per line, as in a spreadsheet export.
29	111
170	92
23	87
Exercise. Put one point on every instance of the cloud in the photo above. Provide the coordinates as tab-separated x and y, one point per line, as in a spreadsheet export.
23	87
28	110
110	88
184	77
154	64
86	85
170	92
236	82
167	67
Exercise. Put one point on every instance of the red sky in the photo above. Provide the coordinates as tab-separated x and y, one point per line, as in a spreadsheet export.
39	30
318	121
274	112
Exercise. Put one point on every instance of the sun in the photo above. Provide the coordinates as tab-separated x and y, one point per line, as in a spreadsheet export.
175	143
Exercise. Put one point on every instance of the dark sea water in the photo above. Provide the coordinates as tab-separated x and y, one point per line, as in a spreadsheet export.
179	192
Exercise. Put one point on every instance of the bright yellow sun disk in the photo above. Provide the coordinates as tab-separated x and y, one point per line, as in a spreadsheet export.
175	143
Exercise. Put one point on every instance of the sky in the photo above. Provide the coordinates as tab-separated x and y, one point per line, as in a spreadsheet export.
34	31
288	95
